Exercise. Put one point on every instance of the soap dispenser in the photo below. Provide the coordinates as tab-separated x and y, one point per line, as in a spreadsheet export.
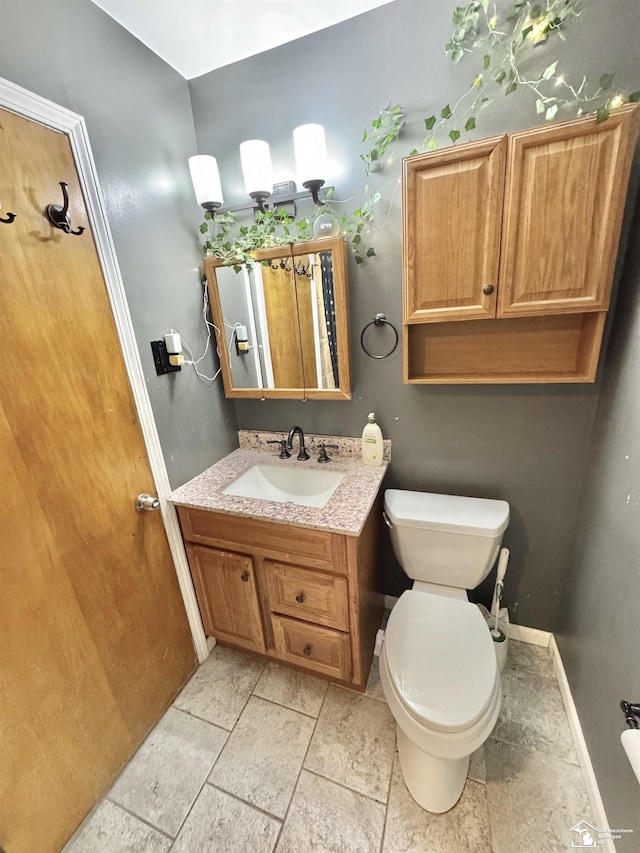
372	442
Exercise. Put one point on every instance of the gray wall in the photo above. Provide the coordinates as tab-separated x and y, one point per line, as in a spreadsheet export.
139	120
599	618
524	444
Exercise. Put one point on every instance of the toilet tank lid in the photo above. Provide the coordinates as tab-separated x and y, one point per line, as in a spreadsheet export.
471	516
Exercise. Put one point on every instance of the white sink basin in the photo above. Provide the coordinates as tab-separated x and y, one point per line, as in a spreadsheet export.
306	487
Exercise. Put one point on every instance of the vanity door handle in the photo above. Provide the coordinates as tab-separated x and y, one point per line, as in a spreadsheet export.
244	577
300	598
488	289
307	650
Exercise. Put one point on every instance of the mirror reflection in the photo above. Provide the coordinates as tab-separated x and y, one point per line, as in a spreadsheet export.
280	321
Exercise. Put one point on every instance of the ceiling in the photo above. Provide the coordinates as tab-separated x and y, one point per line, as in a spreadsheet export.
196	36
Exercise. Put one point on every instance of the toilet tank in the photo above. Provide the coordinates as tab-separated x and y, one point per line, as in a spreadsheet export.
445	539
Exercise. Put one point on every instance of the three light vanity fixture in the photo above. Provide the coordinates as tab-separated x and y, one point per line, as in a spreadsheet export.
311	161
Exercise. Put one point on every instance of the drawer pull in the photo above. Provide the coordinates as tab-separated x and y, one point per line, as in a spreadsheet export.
244	577
307	650
300	598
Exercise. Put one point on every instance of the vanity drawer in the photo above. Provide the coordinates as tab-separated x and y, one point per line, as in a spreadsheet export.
303	594
322	649
265	538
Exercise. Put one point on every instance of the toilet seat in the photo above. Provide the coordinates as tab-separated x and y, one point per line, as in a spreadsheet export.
441	660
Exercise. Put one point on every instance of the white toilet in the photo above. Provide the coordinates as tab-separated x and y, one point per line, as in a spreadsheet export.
438	666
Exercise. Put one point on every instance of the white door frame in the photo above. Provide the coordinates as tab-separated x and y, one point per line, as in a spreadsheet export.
27	104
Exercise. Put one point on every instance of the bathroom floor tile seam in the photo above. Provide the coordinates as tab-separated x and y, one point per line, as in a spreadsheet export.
332	689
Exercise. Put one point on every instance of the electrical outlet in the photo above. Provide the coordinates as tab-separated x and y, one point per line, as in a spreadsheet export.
161	358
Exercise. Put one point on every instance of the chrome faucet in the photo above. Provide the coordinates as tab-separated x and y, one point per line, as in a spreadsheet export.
302	455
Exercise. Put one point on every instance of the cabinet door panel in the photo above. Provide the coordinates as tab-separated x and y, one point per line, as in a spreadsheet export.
226	588
452	211
566	187
304	594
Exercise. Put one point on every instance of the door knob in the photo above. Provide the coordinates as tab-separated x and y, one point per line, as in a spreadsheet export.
488	289
147	502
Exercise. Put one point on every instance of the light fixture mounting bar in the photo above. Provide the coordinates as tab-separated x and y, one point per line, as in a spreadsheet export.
273	201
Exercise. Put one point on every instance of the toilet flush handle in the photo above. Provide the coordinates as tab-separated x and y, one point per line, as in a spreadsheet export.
386	520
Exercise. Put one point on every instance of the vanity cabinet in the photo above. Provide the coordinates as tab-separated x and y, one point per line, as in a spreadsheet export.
521	231
305	597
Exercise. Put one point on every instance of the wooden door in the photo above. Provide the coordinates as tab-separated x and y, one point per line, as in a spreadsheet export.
452	210
282	320
565	195
95	640
228	597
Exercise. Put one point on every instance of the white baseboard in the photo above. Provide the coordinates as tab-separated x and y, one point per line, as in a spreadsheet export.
599	815
530	635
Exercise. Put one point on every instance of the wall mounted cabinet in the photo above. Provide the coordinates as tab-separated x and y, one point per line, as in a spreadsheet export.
293	305
517	230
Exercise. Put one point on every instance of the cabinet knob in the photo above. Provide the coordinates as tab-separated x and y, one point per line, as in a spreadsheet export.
307	650
300	598
488	289
244	577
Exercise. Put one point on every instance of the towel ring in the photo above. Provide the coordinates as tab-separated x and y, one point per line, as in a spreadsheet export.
380	320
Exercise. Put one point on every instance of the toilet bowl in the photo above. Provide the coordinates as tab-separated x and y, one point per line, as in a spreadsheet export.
438	667
439	674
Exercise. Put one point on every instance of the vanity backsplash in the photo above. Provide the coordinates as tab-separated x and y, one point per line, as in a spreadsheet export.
348	447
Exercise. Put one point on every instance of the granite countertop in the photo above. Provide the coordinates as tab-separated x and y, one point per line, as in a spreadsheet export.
345	512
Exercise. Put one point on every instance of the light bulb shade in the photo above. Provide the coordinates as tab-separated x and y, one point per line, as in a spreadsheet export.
256	167
311	152
206	180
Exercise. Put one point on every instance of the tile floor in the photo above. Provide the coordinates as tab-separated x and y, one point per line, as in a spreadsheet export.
253	757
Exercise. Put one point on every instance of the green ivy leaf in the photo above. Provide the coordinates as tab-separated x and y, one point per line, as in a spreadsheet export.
500	77
539	106
602	114
456	55
486	61
357	239
634	97
551	113
470	123
454	135
485	6
511	88
432	145
430	122
485	102
370	252
549	71
364	136
358	259
374	154
477	81
204	228
445	112
536	12
413	152
606	80
526	32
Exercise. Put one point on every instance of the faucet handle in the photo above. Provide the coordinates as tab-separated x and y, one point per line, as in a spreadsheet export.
284	453
323	452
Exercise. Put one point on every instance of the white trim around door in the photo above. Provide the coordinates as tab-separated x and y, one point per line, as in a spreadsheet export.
27	104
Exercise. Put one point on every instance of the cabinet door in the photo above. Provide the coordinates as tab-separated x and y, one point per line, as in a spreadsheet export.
226	588
452	213
565	194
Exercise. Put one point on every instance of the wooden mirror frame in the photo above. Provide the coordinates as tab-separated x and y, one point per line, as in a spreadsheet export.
335	245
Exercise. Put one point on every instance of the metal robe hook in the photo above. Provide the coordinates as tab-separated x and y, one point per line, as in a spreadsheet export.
59	216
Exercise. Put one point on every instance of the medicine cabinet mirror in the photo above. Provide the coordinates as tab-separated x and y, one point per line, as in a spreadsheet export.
282	323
